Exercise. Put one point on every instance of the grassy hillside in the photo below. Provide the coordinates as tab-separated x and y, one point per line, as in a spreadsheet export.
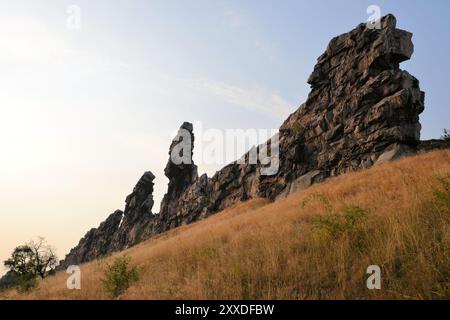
316	244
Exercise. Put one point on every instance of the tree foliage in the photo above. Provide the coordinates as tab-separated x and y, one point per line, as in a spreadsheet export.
36	259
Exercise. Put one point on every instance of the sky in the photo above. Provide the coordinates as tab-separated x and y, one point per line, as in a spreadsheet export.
92	91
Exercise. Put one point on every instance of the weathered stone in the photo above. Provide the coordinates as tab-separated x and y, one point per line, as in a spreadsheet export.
394	152
303	182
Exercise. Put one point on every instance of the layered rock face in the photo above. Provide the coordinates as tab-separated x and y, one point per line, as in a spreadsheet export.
362	110
361	105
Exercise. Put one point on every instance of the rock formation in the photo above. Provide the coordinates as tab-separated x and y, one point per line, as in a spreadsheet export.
362	110
138	217
95	243
361	106
121	229
181	176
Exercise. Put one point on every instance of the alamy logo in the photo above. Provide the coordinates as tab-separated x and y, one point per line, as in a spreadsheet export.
220	147
374	281
74	281
374	21
74	17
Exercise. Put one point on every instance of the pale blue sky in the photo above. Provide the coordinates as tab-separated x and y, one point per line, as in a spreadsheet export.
85	112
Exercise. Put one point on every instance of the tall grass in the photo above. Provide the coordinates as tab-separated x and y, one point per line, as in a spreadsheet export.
316	244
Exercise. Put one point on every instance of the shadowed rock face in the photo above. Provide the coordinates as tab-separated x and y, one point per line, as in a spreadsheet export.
121	229
138	217
362	110
95	243
181	177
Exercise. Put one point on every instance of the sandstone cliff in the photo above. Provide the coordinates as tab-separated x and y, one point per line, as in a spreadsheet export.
362	110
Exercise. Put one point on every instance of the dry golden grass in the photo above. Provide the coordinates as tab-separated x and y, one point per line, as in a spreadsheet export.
300	247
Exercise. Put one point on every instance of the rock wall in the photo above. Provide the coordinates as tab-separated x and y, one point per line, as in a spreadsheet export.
362	110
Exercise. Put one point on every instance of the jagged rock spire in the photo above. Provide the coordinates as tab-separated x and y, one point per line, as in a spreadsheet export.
181	171
138	216
180	168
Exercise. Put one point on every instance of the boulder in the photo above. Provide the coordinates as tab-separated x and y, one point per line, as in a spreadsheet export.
394	152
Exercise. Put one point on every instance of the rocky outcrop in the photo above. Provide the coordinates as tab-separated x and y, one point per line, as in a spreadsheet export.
95	243
362	110
121	229
360	106
182	173
138	217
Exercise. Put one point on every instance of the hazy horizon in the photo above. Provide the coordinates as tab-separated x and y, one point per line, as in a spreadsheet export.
86	111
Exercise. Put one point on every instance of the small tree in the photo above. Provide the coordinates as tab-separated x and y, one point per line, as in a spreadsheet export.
31	261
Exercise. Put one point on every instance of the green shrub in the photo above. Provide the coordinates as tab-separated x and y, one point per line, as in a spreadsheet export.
26	283
353	216
337	224
119	276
